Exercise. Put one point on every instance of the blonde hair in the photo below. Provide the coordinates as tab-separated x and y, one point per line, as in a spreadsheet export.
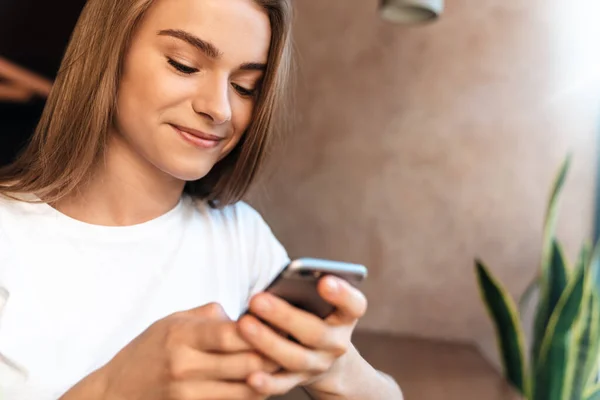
71	135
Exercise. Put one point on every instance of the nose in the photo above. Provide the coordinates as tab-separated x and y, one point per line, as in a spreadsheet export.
212	100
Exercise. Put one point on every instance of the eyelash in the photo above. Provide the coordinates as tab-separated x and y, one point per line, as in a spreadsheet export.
184	69
243	91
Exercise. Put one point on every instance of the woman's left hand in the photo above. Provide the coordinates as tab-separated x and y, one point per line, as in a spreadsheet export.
317	361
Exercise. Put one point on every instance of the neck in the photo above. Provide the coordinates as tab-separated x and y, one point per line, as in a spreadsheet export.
125	189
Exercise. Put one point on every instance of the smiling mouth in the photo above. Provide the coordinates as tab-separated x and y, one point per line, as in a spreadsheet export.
197	138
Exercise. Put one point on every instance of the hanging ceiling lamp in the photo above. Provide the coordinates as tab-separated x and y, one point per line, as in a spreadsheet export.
410	11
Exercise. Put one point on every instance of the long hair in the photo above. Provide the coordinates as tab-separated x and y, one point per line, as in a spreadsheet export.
72	133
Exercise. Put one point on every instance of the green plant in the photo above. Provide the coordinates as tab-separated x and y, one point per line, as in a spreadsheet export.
563	359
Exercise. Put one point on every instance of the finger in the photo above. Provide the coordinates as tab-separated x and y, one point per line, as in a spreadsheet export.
305	327
214	390
238	366
277	384
349	302
205	335
222	337
188	363
289	355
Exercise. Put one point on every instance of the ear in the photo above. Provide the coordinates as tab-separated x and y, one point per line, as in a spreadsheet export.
18	84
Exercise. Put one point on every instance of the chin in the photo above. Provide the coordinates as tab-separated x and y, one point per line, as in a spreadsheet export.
186	175
189	172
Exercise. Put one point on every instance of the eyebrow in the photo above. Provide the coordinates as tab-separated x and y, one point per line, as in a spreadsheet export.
207	47
253	67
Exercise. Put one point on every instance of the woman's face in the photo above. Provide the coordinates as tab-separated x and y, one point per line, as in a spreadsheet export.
189	83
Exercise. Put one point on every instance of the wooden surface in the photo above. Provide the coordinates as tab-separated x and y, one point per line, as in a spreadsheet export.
430	370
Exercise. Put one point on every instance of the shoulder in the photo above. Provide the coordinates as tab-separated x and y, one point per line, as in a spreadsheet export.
240	216
7	202
10	207
20	208
13	214
244	224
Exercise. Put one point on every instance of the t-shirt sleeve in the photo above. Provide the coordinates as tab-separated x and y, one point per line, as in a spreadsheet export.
266	255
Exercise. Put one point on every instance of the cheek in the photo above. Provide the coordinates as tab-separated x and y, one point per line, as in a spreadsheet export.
242	112
146	91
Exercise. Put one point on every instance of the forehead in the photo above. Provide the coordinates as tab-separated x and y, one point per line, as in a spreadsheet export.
240	29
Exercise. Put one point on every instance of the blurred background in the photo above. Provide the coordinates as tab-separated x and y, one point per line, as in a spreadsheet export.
414	149
33	37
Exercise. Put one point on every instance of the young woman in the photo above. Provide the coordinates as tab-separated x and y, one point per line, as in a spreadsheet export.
124	246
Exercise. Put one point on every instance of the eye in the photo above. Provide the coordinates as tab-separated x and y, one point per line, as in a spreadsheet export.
184	69
243	91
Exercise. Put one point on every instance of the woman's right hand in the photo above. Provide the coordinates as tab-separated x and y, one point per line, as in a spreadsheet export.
191	355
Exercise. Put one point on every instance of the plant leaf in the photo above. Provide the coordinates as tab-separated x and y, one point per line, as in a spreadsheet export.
554	371
591	367
553	288
594	266
584	345
552	211
585	254
509	334
528	293
558	275
544	310
593	263
593	393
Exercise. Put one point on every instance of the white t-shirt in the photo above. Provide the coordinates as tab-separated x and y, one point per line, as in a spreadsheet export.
78	293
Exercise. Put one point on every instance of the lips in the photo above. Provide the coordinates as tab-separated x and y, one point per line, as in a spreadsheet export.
198	138
198	134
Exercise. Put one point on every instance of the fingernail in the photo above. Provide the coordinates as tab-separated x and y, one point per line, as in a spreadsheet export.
332	286
258	381
251	328
262	304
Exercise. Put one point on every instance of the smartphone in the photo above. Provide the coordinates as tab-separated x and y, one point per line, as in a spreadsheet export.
297	282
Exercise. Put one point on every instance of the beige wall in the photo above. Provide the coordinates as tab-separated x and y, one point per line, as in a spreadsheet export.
417	149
